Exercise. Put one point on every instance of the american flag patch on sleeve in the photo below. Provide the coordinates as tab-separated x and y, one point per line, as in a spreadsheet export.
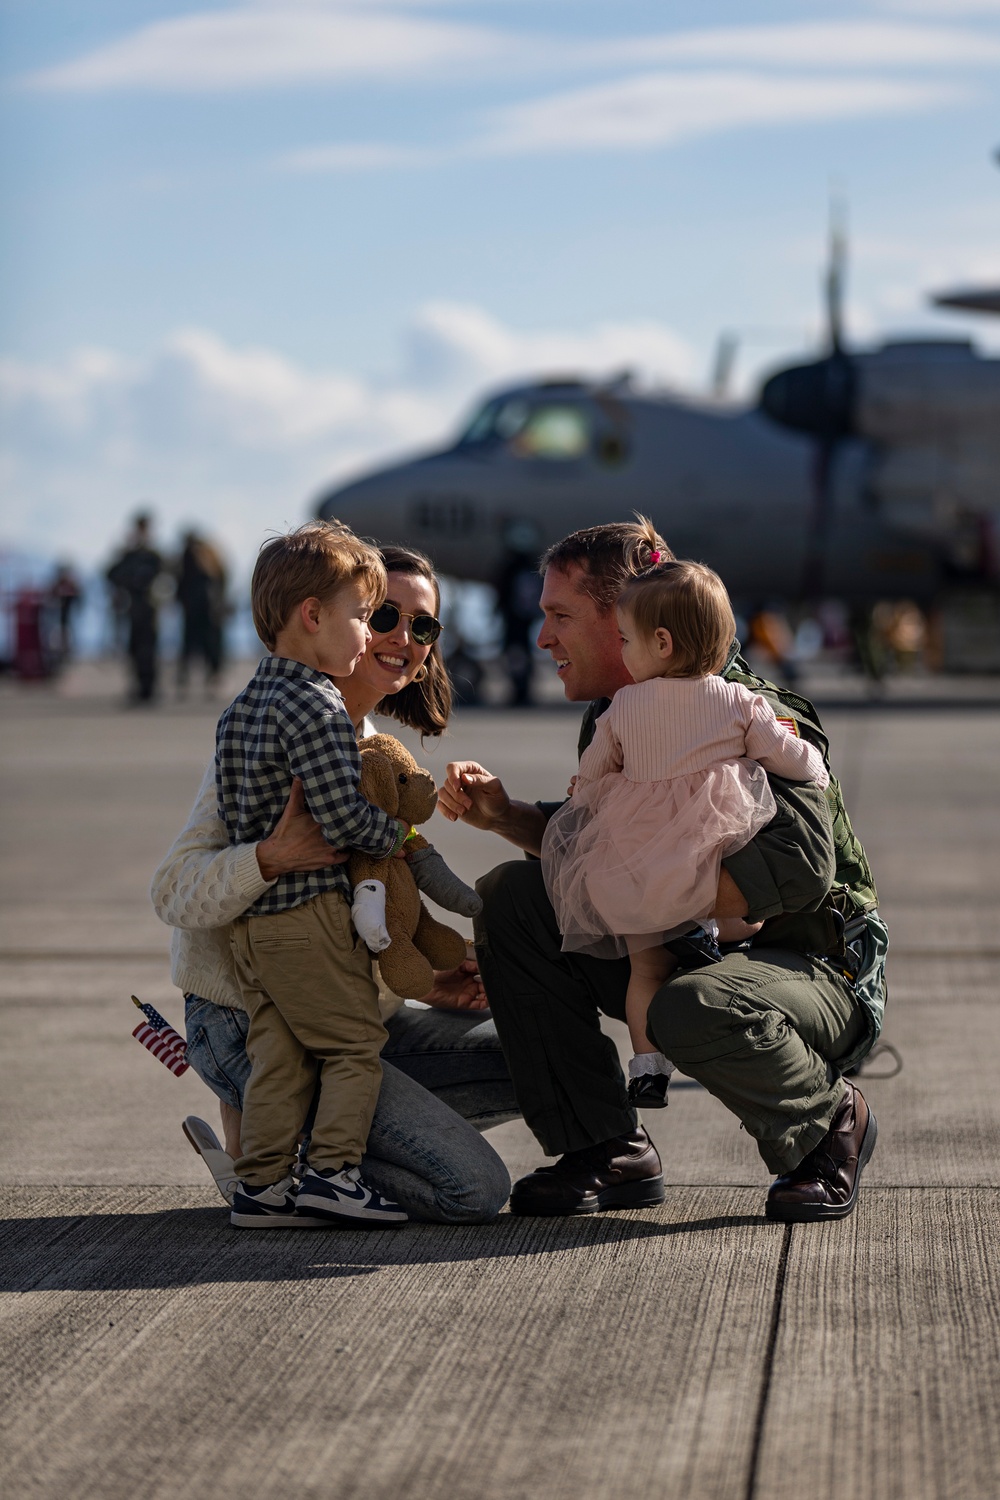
158	1036
790	725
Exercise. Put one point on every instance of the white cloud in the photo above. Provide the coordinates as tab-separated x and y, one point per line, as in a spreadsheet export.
950	8
647	111
456	346
271	44
351	156
657	109
817	44
240	440
277	43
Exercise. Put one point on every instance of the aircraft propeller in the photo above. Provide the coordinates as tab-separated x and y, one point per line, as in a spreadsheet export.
818	399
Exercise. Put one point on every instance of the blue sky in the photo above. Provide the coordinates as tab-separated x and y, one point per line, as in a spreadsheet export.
250	246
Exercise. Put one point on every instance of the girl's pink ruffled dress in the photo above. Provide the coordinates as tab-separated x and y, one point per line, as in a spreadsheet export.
666	790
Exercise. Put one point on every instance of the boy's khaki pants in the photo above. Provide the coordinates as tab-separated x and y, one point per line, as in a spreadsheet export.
307	983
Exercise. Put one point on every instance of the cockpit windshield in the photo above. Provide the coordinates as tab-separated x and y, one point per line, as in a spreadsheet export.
545	429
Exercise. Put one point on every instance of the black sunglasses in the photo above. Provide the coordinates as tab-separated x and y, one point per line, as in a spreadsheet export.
423	628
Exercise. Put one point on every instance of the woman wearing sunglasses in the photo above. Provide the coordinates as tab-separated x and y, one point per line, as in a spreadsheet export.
444	1078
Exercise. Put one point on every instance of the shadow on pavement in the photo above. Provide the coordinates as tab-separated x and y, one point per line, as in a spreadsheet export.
197	1246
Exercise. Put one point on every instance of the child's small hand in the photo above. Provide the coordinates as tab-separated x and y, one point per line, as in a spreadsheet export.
572	783
735	930
458	989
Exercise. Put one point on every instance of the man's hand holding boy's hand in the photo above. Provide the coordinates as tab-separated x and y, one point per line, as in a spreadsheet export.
470	794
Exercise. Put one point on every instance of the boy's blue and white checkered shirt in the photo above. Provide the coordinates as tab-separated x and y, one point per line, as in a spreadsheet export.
291	721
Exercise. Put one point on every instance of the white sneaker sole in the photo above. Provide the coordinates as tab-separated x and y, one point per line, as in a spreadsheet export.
204	1140
276	1221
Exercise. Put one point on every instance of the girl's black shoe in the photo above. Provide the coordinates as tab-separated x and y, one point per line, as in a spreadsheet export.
649	1091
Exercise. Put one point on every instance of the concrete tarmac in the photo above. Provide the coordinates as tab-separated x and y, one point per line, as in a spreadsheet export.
692	1350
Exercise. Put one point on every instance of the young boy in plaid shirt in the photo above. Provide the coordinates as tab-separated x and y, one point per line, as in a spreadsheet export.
305	975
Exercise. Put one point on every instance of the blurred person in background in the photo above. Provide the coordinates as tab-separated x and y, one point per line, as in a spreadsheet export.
32	657
201	594
891	636
66	596
772	639
868	643
134	575
466	674
903	631
519	589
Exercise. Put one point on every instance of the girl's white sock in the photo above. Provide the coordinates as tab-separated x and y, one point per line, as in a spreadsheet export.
649	1062
368	915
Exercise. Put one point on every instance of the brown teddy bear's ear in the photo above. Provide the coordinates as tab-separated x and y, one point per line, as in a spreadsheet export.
416	797
378	780
393	749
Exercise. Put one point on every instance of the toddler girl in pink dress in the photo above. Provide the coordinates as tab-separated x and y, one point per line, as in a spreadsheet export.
672	783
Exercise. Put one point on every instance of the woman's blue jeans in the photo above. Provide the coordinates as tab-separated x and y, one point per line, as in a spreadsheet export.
444	1079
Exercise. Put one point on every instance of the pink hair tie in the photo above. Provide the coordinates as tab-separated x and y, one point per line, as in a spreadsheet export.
654	557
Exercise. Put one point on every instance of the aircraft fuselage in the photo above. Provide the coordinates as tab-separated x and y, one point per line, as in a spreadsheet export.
727	486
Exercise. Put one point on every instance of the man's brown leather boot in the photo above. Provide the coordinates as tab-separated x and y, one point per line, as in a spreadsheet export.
621	1173
825	1183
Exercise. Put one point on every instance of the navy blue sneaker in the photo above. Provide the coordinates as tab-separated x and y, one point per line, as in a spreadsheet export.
345	1198
270	1207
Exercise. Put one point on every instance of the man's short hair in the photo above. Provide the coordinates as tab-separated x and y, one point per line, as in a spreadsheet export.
610	556
312	562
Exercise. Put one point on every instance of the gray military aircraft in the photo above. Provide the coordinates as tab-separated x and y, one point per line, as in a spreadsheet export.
861	475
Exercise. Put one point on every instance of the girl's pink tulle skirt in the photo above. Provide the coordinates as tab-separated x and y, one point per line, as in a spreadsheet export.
628	863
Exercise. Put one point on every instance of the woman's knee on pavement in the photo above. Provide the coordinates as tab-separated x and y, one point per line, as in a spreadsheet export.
487	1195
480	1197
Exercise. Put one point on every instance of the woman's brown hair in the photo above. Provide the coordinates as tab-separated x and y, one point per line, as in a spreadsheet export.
423	705
691	602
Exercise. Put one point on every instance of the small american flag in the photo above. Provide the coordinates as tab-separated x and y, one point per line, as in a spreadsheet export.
160	1038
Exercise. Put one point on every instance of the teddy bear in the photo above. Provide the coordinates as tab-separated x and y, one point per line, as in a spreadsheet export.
387	911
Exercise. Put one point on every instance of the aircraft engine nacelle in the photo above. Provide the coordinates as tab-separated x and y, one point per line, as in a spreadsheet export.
915	392
928	394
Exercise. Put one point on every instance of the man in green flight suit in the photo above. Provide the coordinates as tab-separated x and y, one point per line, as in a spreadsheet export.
770	1030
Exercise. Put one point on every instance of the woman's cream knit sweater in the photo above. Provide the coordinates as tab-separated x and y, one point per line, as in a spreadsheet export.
201	887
